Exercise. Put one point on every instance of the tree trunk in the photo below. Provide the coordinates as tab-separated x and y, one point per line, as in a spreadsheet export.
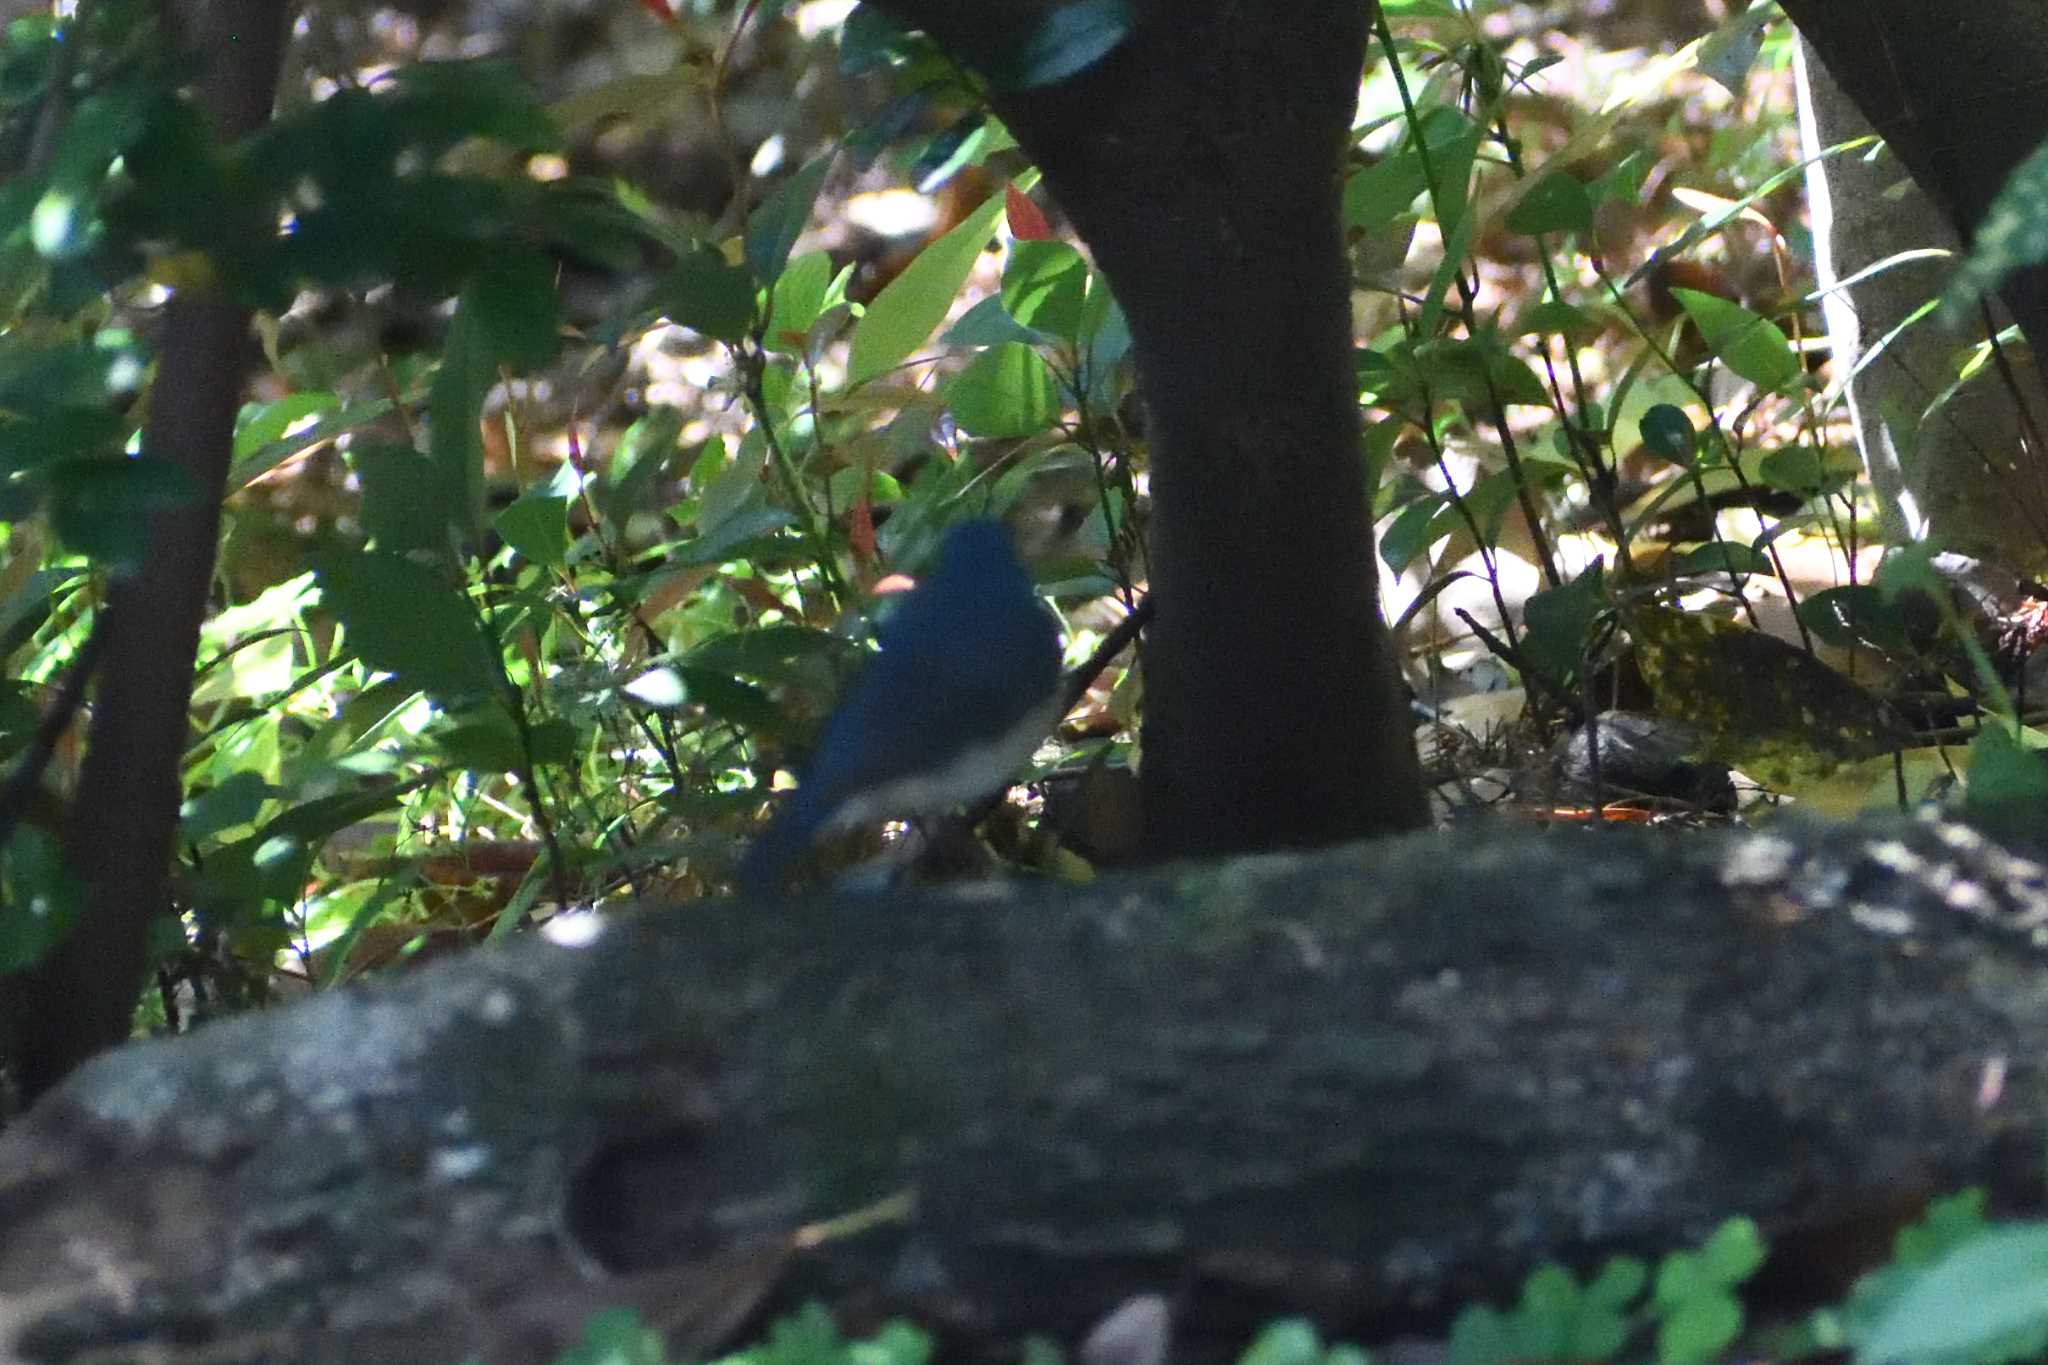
1368	1085
81	997
1202	162
1960	92
1958	472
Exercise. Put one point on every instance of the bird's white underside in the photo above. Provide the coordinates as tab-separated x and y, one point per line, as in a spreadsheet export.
974	773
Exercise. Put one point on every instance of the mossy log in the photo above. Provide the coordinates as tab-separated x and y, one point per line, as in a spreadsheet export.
1365	1084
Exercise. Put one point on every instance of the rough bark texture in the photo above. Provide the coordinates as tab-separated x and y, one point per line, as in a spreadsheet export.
1960	92
1202	163
81	997
1367	1084
1958	473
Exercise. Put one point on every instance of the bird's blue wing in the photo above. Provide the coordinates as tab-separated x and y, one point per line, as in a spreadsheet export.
967	658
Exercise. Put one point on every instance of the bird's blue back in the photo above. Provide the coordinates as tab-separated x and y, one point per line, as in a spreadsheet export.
968	655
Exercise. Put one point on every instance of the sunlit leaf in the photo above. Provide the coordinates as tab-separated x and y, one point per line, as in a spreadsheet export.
1005	391
1750	345
537	526
1043	287
905	313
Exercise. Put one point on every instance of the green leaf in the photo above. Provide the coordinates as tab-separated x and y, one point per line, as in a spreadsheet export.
617	1336
847	486
1668	434
870	40
1948	1223
732	701
915	302
986	324
537	526
1618	1283
233	802
98	130
1556	203
408	622
259	424
1750	345
1988	1288
480	742
796	301
1411	533
1451	167
314	820
1005	391
1864	614
1700	1330
1557	621
957	145
1721	557
512	299
773	227
44	897
454	408
1068	41
1043	287
1477	372
1801	469
65	433
1553	317
706	295
772	653
1377	195
2013	234
1734	1253
403	506
1727	54
1286	1341
2004	778
1481	1336
102	507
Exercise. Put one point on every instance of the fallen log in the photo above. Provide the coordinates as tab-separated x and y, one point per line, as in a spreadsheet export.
1368	1084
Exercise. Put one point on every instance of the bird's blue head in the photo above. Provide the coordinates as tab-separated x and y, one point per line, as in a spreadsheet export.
976	604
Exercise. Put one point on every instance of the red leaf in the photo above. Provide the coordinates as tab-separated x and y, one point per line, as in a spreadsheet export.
659	9
1027	220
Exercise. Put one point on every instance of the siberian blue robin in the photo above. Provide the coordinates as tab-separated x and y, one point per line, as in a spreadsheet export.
965	686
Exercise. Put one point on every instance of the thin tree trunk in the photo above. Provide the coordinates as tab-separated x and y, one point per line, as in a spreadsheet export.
81	997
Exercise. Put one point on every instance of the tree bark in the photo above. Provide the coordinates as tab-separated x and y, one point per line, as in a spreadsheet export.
1368	1085
1202	163
1958	472
1960	92
81	997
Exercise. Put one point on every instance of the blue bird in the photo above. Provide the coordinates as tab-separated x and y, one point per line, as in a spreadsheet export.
964	688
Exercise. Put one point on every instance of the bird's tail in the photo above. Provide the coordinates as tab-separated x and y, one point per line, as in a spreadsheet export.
776	852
